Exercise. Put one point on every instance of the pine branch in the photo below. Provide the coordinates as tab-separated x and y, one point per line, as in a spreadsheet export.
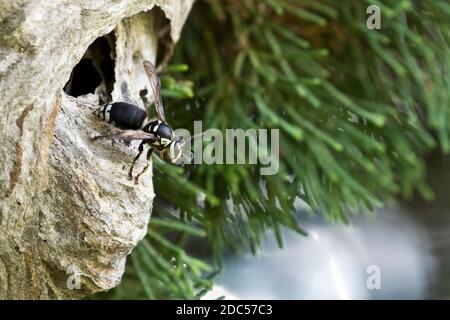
357	110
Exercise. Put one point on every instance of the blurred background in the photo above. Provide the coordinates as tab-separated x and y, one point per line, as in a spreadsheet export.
408	241
364	120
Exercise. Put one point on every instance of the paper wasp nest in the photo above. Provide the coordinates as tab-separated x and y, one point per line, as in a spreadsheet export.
69	215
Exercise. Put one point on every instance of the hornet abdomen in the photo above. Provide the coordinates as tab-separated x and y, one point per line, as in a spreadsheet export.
123	115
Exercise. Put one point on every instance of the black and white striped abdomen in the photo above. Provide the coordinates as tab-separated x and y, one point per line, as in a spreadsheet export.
122	114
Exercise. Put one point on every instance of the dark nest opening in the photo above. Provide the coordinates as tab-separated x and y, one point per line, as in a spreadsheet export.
95	71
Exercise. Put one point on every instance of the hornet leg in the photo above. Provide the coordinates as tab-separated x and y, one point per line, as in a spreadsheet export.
162	154
141	149
149	154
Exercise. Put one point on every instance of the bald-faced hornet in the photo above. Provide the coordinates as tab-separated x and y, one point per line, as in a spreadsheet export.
157	134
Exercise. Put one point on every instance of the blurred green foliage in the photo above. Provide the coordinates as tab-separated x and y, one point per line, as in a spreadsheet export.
356	108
